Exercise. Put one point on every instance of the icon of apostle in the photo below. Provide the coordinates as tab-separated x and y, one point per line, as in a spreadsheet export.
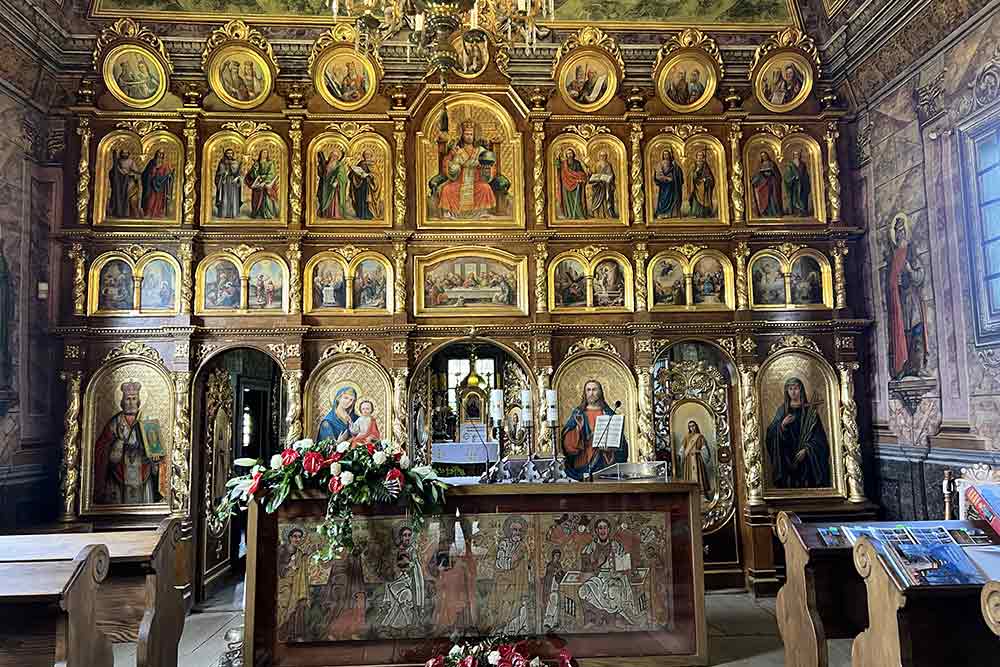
128	455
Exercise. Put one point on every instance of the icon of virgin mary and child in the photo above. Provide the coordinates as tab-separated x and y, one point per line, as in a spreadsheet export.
343	423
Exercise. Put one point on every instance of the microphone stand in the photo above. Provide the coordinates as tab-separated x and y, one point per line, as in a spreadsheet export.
556	471
602	447
499	472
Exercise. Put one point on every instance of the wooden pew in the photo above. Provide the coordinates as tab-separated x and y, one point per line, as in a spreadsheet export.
47	612
926	626
823	596
138	601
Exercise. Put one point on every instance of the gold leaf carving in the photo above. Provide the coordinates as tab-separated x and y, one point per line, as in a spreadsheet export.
781	130
684	131
587	130
691	38
349	252
238	31
590	251
246	127
590	36
243	250
592	344
141	127
135	250
349	347
134	348
689	250
350	128
789	38
127	30
787	248
794	341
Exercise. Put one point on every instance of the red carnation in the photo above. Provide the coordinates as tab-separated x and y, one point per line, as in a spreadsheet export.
437	661
255	483
335	486
370	447
312	462
467	661
565	659
289	456
394	474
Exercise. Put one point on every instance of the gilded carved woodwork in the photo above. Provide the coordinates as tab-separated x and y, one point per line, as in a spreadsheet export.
399	439
71	445
135	349
294	255
753	457
285	351
190	171
543	439
736	190
638	202
180	455
349	346
647	437
788	38
538	171
399	187
840	251
125	29
742	288
83	171
592	344
833	172
295	185
293	413
399	276
794	341
541	275
79	258
849	431
186	256
639	257
218	398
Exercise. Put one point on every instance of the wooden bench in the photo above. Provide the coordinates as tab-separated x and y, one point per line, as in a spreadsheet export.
47	612
138	601
919	626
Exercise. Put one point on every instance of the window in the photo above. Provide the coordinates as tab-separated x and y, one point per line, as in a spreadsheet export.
458	369
982	179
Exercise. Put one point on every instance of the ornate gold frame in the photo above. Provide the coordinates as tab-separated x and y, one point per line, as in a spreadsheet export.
233	38
775	139
792	44
331	358
586	139
426	141
688	261
339	40
248	137
838	471
685	141
140	267
349	268
123	36
589	42
786	258
518	264
691	43
87	506
112	84
345	137
154	134
94	285
243	268
590	264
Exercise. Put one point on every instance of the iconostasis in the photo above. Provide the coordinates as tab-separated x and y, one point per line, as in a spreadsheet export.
672	229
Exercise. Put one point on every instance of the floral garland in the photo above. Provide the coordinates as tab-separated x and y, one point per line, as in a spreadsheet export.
361	474
497	652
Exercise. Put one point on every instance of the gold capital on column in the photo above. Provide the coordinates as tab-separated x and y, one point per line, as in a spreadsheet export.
71	445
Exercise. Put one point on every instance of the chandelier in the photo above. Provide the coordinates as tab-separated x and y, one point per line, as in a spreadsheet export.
434	26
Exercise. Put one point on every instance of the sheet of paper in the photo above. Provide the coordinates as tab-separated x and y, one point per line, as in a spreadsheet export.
608	431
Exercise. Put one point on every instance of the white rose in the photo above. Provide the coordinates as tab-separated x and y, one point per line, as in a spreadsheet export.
346	477
536	662
404	462
335	469
378	458
276	462
303	444
493	658
456	650
343	447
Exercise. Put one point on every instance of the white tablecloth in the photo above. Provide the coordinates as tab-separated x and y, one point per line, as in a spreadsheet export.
463	452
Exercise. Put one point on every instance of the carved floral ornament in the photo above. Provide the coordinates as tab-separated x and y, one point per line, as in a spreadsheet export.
684	131
589	37
592	344
126	30
349	346
790	38
794	341
238	31
134	348
692	38
587	130
246	128
141	127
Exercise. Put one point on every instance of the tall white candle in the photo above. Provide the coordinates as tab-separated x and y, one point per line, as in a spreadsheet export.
551	409
526	400
474	16
496	404
418	23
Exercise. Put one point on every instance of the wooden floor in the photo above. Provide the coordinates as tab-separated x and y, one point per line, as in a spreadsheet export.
742	633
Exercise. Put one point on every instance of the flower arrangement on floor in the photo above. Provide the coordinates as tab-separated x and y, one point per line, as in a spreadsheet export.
359	474
497	652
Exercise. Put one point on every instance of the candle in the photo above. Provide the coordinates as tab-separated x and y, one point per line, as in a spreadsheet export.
551	409
496	404
474	16
418	22
522	6
526	399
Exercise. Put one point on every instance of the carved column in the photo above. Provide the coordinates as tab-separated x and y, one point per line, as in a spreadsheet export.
295	198
399	439
541	278
538	175
638	203
186	256
840	251
647	437
737	194
752	455
849	431
180	457
399	184
83	172
79	257
639	257
833	171
742	292
294	255
71	445
190	173
399	286
293	414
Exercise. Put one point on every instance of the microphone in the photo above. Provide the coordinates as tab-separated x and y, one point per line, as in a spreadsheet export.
618	404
